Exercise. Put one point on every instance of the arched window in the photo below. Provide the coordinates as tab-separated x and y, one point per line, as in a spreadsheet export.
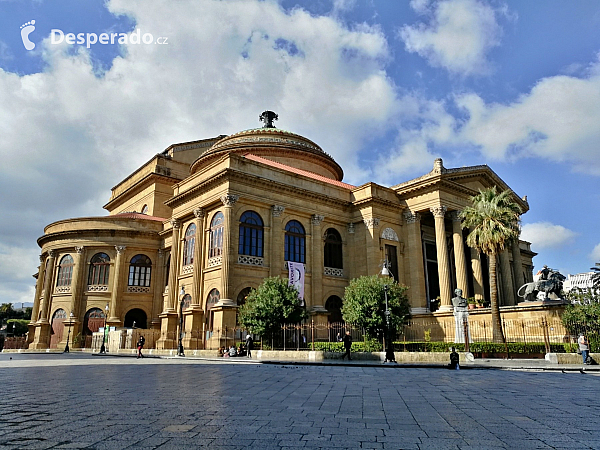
144	209
99	269
135	318
140	268
216	235
333	249
65	271
187	301
295	242
241	300
167	270
213	297
334	306
188	247
251	234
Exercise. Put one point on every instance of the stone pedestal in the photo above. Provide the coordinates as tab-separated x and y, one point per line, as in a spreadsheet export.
320	317
41	339
73	326
223	334
193	324
168	337
460	315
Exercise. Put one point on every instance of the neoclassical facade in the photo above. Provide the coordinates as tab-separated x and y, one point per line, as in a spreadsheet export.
200	224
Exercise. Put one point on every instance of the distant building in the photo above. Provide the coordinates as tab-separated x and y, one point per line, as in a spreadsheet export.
579	280
204	222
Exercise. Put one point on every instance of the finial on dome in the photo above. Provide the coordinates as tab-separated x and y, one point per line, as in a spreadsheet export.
438	166
268	117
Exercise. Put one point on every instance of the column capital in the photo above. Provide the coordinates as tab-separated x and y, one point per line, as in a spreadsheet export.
161	252
79	249
316	219
199	213
351	228
120	249
51	253
277	210
42	259
455	216
438	211
372	222
176	224
229	200
411	217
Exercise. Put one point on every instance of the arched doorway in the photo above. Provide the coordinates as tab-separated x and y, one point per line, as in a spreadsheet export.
135	316
333	305
92	321
58	326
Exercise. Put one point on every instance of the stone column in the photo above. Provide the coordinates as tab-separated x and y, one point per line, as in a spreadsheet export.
116	287
276	241
350	267
228	252
317	264
157	297
39	289
174	269
507	284
417	291
477	275
459	254
77	281
517	264
372	245
48	286
442	258
198	280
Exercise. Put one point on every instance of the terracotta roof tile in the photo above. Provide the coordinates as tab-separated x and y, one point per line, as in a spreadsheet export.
305	173
134	215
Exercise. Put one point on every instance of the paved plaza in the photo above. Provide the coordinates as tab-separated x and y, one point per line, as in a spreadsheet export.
85	401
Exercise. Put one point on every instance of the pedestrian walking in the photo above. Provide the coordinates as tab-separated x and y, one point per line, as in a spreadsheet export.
454	365
249	345
347	345
140	345
584	347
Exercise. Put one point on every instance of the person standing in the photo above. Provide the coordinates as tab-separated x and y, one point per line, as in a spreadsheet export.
249	345
140	345
584	346
347	345
454	358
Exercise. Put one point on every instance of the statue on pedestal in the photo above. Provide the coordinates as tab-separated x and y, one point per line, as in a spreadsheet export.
461	316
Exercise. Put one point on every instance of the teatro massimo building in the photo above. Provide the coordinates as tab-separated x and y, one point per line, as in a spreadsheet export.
208	220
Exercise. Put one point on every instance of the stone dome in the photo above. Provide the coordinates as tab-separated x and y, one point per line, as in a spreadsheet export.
277	145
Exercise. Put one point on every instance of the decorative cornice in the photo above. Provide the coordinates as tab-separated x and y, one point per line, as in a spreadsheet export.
229	200
372	222
79	249
411	217
351	228
316	219
120	249
277	210
199	213
438	211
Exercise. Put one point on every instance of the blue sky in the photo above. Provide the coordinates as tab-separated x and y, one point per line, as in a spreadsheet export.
383	86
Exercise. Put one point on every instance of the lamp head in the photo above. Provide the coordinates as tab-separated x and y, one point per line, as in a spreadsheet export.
385	271
182	292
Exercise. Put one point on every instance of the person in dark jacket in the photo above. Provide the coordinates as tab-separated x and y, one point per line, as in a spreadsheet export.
454	359
347	339
249	345
140	345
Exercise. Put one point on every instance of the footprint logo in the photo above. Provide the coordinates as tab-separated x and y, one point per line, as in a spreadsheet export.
26	30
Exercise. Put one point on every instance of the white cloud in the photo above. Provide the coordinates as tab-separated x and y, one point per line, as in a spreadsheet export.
595	255
557	120
546	235
457	36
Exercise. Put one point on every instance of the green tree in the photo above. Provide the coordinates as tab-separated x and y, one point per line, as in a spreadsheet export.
596	275
18	327
583	315
493	221
6	312
364	304
270	306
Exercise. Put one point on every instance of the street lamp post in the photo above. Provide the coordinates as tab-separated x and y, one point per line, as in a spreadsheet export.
69	333
389	347
103	348
180	342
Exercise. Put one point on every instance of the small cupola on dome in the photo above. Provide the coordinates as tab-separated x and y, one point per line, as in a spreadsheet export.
268	117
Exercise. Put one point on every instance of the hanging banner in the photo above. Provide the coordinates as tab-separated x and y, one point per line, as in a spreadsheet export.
296	276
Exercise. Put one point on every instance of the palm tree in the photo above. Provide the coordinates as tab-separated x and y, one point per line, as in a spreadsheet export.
494	222
596	276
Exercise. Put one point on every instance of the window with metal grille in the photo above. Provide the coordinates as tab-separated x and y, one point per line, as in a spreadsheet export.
216	235
99	269
295	242
140	269
188	247
251	234
65	271
333	249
